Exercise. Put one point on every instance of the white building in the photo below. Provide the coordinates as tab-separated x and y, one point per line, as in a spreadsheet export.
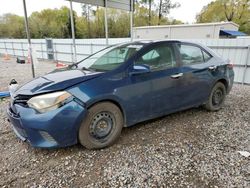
189	31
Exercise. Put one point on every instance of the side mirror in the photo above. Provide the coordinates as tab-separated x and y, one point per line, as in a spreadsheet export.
140	69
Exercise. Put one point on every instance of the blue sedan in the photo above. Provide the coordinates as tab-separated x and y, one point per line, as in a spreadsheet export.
91	101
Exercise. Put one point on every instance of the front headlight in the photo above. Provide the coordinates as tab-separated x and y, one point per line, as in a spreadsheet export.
48	102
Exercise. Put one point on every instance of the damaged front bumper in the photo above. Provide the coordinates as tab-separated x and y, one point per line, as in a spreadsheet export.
57	128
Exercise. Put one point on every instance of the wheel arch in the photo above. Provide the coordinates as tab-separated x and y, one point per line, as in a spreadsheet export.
113	101
224	81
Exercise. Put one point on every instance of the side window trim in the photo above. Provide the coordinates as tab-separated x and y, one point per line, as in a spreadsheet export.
203	53
196	45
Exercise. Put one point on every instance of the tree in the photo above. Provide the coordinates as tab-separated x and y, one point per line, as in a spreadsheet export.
164	8
86	12
150	4
12	26
98	23
118	23
55	23
227	10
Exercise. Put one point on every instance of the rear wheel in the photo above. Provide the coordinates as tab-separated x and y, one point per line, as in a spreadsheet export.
216	98
102	126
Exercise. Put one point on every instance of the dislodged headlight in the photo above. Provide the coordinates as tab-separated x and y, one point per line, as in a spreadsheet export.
48	102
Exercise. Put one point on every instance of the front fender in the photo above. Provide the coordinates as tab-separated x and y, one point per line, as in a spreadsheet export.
89	98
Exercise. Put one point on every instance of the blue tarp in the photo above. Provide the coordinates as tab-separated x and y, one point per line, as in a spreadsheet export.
231	33
4	94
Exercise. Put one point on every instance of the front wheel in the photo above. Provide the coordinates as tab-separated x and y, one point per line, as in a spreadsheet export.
102	126
216	97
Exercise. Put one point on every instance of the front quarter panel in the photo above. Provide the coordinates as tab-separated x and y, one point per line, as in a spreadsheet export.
102	89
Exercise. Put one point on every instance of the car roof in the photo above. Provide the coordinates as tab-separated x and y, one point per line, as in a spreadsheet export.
145	43
149	42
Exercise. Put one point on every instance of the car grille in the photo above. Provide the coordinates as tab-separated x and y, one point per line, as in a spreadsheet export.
21	99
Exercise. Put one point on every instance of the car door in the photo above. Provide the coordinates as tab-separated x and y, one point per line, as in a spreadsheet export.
196	68
161	80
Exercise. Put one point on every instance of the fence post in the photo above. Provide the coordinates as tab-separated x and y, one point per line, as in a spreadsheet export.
22	48
72	55
41	45
246	65
91	48
13	49
55	52
5	47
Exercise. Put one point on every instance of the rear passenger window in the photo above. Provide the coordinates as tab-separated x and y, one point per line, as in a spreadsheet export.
192	54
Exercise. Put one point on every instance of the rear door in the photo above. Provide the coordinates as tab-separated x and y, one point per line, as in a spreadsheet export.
197	67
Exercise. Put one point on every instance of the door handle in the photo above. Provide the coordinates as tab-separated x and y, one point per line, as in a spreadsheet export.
212	67
177	75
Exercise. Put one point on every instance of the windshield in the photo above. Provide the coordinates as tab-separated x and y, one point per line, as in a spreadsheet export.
109	58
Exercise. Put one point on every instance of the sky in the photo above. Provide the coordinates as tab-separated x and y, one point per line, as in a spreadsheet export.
186	13
188	10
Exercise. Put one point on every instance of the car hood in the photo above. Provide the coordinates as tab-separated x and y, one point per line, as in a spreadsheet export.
55	81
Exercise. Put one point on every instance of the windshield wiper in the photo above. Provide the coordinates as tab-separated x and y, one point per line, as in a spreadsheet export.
84	68
73	65
88	69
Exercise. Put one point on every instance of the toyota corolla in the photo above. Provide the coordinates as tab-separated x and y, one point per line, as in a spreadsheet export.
91	101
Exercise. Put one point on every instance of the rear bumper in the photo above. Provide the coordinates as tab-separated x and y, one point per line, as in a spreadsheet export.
57	128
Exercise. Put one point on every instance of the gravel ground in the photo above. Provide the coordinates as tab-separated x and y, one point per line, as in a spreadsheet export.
21	72
193	148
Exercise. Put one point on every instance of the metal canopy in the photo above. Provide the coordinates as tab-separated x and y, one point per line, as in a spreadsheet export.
117	4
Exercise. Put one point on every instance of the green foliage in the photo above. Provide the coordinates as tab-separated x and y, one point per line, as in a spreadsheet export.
141	17
227	10
12	26
55	23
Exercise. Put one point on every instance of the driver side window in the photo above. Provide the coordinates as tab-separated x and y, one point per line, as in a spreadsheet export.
159	58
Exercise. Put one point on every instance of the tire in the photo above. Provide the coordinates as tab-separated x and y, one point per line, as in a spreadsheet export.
102	126
216	98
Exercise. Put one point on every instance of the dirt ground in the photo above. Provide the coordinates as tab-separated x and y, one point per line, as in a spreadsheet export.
193	148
